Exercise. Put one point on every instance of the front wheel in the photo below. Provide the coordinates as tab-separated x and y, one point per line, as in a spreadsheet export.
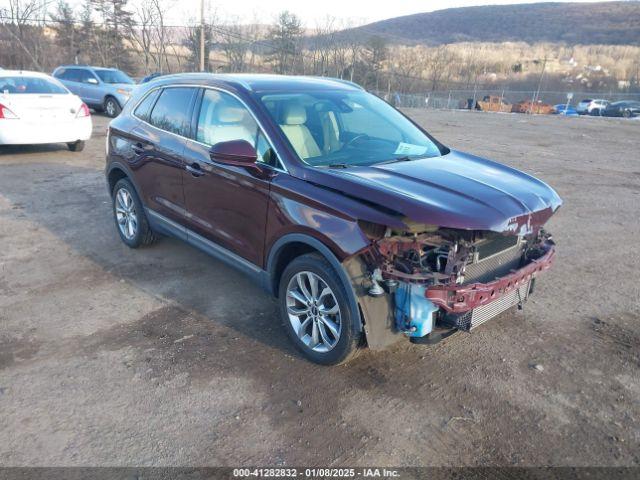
112	107
316	312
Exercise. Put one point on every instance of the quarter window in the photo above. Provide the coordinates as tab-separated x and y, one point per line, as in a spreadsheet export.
144	108
171	111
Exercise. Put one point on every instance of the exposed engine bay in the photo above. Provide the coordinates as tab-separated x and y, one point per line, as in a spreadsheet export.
453	279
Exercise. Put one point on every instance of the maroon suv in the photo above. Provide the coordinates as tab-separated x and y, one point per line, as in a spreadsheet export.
365	227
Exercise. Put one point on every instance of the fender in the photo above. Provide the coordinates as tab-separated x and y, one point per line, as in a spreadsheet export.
120	166
276	249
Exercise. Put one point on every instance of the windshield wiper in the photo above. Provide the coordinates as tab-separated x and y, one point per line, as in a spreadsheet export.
404	158
338	165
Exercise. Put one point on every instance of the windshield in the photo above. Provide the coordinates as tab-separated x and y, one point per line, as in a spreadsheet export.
114	76
35	85
330	128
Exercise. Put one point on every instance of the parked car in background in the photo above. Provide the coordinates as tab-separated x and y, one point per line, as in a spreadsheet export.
366	228
624	108
36	108
150	77
590	106
494	103
529	106
103	89
564	109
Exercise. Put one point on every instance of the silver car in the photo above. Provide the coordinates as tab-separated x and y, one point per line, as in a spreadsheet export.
103	89
590	106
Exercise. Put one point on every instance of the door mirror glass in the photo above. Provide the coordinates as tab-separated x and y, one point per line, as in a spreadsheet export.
92	81
236	152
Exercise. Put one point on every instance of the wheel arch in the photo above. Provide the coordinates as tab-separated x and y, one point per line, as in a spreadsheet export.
116	172
289	247
107	96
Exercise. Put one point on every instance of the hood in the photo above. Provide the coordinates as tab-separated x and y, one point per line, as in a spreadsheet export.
456	190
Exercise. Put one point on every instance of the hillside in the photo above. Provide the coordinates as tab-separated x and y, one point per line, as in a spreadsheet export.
614	23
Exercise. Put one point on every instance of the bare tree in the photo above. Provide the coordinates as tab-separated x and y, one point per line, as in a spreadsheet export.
375	54
64	25
142	32
235	45
24	24
437	66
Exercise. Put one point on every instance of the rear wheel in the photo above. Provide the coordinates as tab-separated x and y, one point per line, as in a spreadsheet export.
112	107
316	312
626	113
131	221
76	146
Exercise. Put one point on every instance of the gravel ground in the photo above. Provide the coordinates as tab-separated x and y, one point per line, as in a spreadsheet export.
164	356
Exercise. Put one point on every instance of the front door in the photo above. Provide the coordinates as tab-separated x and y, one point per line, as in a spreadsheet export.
227	204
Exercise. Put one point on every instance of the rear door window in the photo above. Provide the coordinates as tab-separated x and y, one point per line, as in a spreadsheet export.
172	110
70	74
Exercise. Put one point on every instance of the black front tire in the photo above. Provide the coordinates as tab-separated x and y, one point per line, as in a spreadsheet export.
111	107
350	337
143	235
76	146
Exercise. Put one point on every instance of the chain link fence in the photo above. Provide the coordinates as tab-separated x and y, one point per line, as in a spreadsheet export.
457	99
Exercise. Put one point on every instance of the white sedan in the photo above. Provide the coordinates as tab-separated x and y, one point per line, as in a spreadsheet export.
36	108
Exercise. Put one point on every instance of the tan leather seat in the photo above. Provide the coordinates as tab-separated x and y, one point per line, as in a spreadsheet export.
293	125
227	123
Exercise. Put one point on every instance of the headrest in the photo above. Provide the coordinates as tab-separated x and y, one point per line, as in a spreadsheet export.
294	114
230	114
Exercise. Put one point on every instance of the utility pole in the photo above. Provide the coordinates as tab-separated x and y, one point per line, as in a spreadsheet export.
544	66
202	35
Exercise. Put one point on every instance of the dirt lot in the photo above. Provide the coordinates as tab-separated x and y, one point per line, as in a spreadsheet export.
164	356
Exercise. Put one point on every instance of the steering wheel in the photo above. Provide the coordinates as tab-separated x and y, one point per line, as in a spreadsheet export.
360	136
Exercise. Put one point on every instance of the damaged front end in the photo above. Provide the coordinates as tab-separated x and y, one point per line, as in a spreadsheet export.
436	281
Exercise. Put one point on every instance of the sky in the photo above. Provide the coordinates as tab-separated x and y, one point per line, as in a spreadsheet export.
310	11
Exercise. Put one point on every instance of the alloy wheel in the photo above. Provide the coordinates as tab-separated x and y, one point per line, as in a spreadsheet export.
110	108
126	215
313	311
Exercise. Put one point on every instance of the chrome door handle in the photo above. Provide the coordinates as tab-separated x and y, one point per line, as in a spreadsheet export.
138	148
195	170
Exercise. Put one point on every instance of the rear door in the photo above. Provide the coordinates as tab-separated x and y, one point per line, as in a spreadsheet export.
157	145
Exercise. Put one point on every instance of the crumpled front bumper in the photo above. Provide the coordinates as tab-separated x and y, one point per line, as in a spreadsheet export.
458	299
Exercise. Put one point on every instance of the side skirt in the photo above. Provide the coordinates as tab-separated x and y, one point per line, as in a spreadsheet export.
162	224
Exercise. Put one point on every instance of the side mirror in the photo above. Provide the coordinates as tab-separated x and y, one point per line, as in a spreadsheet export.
236	152
92	81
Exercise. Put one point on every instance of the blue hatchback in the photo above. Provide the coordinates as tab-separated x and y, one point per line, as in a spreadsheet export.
104	89
564	109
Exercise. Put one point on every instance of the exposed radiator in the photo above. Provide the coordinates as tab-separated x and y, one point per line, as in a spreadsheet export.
490	267
478	316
